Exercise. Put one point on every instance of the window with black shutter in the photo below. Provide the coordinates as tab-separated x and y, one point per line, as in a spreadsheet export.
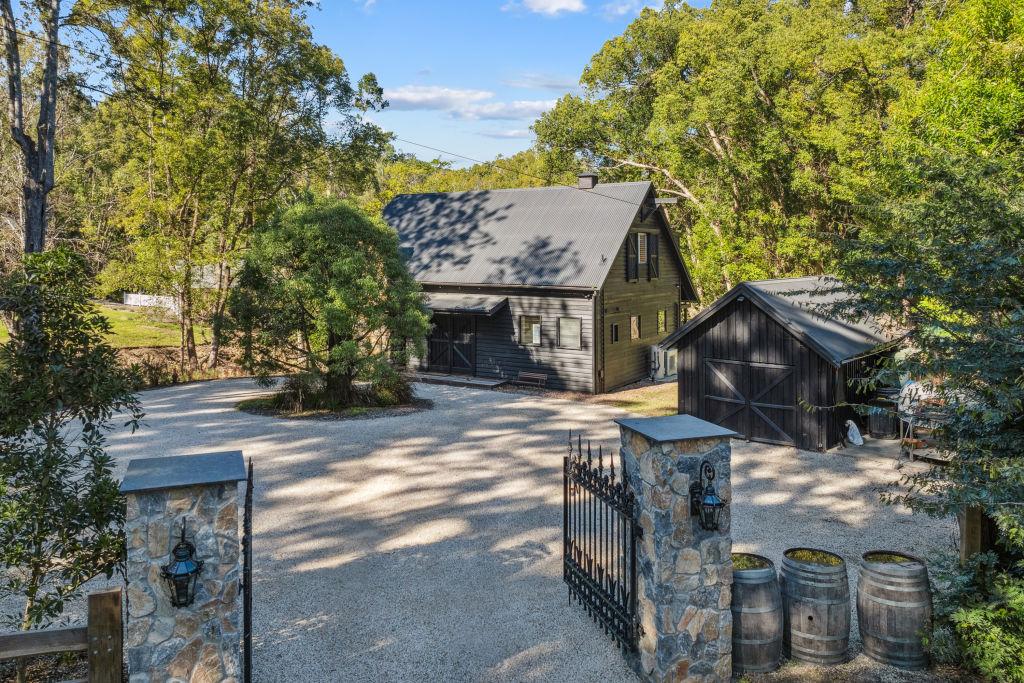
632	265
652	256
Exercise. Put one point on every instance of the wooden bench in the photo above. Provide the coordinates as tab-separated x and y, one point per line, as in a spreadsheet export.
537	379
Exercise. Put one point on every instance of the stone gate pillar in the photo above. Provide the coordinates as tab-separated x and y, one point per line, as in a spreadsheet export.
685	572
201	642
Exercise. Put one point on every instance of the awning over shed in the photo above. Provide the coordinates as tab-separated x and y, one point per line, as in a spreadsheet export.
465	303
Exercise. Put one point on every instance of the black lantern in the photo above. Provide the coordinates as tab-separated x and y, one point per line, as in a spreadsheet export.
705	504
182	573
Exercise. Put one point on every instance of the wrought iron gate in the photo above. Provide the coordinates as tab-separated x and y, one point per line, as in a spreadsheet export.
247	581
599	537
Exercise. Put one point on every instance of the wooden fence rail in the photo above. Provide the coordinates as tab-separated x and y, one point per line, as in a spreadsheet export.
102	639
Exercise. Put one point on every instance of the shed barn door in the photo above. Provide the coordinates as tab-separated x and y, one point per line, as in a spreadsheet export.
757	400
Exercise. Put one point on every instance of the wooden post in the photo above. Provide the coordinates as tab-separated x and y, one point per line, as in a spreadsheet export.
105	632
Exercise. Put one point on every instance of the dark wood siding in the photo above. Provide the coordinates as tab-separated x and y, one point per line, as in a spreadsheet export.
499	354
770	369
628	360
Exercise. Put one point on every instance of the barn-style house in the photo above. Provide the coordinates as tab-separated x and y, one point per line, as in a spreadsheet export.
764	362
570	287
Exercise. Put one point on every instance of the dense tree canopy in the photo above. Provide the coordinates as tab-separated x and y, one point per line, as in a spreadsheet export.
325	293
758	116
219	110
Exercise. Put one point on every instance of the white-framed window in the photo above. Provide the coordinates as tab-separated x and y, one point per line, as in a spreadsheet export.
641	248
570	333
529	330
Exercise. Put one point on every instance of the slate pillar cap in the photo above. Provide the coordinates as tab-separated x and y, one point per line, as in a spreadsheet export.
674	428
177	471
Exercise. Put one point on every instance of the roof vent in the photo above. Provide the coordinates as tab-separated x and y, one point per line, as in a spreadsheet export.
587	181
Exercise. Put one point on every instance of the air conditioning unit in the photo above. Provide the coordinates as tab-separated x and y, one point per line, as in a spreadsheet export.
663	363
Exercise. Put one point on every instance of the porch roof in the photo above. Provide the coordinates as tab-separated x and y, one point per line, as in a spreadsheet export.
464	303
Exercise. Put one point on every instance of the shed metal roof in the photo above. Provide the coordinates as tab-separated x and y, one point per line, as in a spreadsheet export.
542	237
464	303
794	303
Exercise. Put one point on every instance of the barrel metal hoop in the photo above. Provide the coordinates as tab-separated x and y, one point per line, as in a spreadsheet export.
757	610
894	603
811	636
756	641
820	601
898	589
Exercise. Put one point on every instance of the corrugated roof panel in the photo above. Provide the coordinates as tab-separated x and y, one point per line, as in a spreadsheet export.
547	237
798	300
795	303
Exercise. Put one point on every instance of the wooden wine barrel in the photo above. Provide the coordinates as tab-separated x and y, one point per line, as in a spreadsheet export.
815	606
756	615
894	608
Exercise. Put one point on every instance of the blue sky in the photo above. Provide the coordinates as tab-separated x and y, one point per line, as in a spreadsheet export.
469	76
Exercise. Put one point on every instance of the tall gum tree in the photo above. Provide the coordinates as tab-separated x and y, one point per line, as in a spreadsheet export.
219	112
757	116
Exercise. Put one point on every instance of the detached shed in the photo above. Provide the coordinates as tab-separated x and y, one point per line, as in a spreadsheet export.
755	359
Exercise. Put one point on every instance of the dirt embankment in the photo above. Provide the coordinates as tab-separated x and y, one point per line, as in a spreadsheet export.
160	365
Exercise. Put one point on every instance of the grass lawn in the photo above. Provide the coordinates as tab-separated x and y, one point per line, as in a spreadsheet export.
133	327
653	401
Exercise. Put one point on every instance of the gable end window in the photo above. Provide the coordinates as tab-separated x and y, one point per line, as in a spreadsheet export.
529	330
570	333
653	266
641	252
632	266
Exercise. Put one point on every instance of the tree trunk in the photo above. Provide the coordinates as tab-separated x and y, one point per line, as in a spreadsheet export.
38	153
339	388
34	216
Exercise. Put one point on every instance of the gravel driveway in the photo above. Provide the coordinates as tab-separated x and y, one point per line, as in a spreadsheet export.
428	546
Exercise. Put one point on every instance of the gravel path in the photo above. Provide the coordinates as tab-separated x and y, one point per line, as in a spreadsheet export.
428	546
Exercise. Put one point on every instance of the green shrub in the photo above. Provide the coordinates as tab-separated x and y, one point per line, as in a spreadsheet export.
979	616
61	515
325	296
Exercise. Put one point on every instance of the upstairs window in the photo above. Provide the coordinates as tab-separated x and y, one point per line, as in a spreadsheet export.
634	327
632	266
652	255
529	330
641	252
570	333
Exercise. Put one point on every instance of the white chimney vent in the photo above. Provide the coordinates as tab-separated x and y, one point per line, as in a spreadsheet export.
587	181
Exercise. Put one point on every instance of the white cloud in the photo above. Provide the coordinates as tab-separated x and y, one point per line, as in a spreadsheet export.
518	109
539	81
514	134
413	97
548	7
620	8
463	103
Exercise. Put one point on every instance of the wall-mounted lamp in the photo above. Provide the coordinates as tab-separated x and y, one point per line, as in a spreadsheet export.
705	504
182	572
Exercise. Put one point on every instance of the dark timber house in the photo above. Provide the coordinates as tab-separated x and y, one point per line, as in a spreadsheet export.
756	358
571	284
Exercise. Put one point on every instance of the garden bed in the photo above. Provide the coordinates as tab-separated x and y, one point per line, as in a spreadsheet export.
263	405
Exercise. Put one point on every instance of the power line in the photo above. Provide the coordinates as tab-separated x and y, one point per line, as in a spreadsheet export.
516	171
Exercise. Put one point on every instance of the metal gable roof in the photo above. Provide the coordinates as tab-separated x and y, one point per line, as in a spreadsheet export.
540	237
793	302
